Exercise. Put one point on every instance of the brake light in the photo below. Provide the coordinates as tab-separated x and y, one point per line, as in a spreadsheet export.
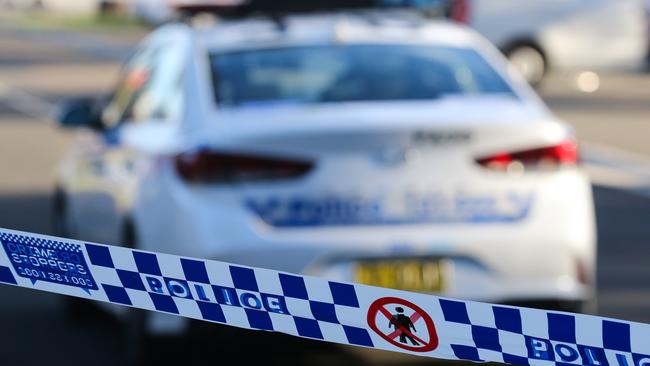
460	11
221	167
565	153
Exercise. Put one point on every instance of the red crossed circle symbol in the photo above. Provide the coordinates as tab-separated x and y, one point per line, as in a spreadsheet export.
379	306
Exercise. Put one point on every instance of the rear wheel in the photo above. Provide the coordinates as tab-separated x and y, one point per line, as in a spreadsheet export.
138	348
58	221
530	62
587	306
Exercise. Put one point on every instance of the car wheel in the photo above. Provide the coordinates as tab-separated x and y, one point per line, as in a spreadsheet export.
142	348
137	347
58	220
530	62
586	306
589	306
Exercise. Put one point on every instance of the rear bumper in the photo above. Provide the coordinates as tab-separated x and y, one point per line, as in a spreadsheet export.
549	254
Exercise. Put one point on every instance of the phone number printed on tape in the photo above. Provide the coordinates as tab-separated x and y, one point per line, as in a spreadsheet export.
48	260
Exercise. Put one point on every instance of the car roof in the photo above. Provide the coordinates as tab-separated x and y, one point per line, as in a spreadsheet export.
333	28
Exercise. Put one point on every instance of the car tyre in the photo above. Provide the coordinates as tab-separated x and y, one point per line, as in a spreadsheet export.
58	222
530	62
141	348
589	306
137	345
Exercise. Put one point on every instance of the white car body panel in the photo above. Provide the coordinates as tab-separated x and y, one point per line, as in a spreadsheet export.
502	236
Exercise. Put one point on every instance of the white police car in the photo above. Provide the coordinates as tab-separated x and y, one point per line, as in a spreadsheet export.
385	149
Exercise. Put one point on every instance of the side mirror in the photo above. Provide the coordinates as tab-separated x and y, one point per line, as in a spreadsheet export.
152	137
81	112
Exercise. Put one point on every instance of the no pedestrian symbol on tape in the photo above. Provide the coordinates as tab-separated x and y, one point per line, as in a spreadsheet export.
403	324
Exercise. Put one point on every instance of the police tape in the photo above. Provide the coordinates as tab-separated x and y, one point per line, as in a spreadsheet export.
316	308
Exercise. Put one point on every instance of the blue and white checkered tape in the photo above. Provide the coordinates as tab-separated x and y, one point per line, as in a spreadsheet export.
316	308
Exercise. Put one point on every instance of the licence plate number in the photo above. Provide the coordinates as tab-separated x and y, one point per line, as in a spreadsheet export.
409	275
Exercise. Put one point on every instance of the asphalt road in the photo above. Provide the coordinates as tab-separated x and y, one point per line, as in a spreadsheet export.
38	68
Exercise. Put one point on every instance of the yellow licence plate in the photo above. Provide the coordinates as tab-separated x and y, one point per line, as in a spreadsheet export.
409	275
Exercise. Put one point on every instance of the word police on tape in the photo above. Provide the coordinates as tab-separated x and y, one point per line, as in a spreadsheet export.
316	308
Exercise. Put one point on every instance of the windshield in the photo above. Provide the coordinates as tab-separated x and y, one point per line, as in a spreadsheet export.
351	73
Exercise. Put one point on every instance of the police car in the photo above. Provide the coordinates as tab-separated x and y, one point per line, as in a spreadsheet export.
383	148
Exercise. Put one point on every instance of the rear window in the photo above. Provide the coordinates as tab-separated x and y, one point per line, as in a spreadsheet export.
349	73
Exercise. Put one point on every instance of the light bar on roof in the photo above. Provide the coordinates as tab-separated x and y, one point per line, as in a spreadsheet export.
244	7
281	7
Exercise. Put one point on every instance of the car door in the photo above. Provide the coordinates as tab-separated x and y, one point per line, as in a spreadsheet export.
149	91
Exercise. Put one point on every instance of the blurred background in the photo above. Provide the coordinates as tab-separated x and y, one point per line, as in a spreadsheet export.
53	50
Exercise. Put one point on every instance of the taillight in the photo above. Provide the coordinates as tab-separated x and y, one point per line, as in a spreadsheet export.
226	167
460	11
565	153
